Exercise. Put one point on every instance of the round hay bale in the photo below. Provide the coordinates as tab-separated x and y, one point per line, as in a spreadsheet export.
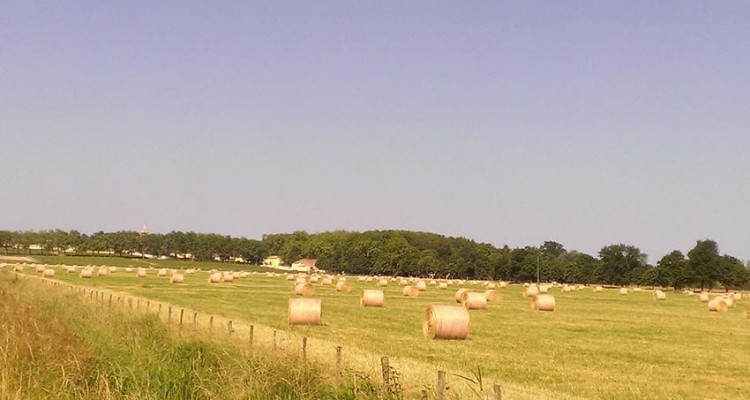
177	278
717	305
491	285
305	311
598	288
459	296
361	279
421	286
228	277
18	268
342	279
543	289
162	272
659	295
410	291
474	301
443	285
531	291
383	283
314	279
492	296
403	282
729	300
368	279
343	287
300	279
290	277
372	298
329	282
141	273
71	269
737	296
103	271
215	277
86	273
304	289
40	269
48	273
566	289
446	322
503	284
433	282
623	292
543	302
704	297
637	289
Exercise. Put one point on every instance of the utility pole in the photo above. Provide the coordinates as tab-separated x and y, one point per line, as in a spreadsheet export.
537	269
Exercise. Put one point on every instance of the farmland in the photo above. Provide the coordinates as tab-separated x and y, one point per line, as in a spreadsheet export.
595	345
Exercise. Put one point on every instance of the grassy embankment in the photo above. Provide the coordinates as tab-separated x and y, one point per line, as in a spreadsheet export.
54	344
596	345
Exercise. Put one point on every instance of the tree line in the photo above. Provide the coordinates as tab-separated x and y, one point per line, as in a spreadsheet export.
411	253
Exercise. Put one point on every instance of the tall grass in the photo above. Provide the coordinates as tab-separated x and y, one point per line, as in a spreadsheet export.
55	345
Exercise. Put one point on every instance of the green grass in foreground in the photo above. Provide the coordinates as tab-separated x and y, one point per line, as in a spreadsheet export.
594	346
54	345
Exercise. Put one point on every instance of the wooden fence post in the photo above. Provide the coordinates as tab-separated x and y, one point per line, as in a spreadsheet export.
440	389
252	333
339	371
304	348
498	392
385	368
182	311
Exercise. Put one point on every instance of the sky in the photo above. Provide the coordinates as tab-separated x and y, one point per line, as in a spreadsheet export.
584	122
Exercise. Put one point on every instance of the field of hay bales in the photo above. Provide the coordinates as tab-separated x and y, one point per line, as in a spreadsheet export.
593	345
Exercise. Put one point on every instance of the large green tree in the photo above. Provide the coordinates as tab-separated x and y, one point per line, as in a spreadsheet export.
672	270
619	261
703	261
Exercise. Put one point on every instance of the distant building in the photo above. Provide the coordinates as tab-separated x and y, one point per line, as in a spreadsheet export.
272	261
304	265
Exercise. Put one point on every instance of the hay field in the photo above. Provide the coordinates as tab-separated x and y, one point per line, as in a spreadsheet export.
594	346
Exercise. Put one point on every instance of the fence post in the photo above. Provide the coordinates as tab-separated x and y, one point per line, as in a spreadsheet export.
386	370
252	333
440	389
304	348
229	331
339	372
211	323
274	340
498	392
182	311
195	317
169	314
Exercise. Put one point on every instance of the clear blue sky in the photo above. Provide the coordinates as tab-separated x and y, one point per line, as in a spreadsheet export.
588	123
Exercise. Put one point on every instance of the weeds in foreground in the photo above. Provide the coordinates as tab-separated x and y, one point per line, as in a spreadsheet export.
55	345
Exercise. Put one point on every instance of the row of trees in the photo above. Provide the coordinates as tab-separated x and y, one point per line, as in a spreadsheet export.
413	253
